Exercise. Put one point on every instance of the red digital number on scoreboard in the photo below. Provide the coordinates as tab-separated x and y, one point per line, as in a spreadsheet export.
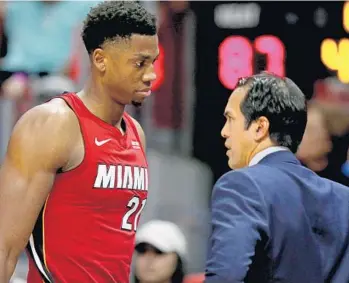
236	54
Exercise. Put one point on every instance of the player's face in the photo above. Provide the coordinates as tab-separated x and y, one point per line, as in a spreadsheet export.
152	266
129	68
239	141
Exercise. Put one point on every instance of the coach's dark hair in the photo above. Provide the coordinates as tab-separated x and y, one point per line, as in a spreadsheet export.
281	101
112	19
178	275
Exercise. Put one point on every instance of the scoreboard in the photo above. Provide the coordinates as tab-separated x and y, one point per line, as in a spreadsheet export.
305	41
302	40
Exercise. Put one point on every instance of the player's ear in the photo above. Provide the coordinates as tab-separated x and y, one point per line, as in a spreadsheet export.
261	128
99	59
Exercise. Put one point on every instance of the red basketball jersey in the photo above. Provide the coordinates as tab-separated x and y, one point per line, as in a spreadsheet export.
86	230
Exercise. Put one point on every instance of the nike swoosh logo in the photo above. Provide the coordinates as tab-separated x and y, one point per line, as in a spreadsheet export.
100	143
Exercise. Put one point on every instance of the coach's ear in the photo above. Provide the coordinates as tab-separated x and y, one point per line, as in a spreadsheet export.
260	128
99	59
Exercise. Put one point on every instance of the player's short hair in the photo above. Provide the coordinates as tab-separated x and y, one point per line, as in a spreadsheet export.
281	101
116	19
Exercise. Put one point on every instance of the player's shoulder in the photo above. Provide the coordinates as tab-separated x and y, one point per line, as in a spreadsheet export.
53	120
53	113
139	129
47	131
135	122
56	108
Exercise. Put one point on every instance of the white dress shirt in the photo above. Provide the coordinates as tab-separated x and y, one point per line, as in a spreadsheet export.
260	155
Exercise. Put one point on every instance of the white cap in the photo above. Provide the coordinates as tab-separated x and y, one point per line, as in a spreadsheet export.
163	235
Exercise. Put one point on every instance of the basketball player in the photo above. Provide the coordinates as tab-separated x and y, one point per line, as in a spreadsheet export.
74	180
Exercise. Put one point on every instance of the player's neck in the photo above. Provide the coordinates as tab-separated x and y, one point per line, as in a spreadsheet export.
101	105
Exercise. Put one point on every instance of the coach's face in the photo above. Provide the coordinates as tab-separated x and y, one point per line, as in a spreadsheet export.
241	142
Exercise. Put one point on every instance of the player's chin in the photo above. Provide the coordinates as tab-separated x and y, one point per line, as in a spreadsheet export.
137	103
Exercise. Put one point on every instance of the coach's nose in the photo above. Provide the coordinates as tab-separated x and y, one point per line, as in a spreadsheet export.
224	132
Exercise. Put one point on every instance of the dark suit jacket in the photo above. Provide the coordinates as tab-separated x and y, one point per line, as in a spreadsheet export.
277	221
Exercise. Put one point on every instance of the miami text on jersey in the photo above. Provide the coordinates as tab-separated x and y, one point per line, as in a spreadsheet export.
121	177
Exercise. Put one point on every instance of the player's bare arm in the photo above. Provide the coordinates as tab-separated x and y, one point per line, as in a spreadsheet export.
39	146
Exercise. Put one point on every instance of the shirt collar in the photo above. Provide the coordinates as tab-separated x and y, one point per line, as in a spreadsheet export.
260	155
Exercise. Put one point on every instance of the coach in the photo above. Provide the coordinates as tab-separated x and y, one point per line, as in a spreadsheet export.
274	220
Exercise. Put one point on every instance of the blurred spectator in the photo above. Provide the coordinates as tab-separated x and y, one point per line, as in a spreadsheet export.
160	253
41	39
325	143
316	143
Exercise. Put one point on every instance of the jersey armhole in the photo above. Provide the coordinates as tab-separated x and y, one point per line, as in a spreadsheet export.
81	165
